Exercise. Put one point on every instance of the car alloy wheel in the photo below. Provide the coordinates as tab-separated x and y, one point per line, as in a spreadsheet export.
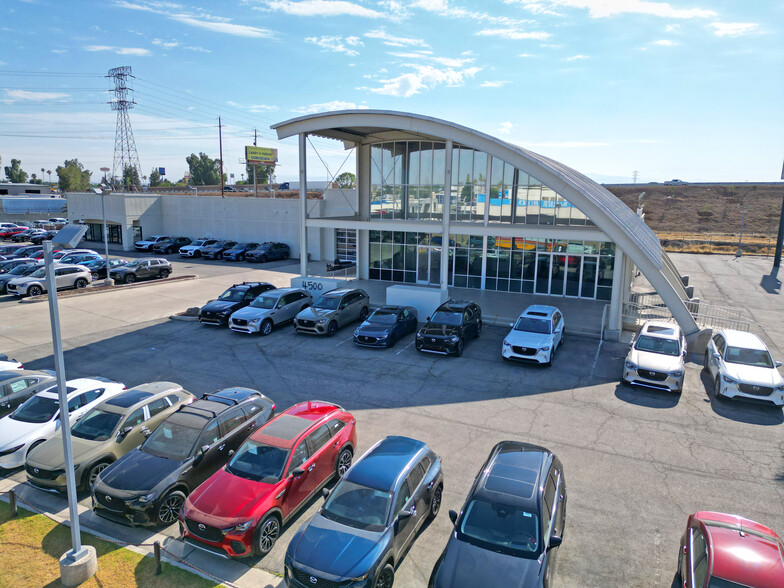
459	348
35	291
286	255
130	279
717	386
241	257
435	502
263	259
164	274
267	534
706	360
170	507
386	577
94	472
80	283
478	330
344	462
332	329
266	327
219	256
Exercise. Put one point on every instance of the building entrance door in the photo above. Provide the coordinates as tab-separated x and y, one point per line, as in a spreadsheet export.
558	275
429	265
542	273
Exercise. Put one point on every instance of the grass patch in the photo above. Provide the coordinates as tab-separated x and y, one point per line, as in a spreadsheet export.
31	546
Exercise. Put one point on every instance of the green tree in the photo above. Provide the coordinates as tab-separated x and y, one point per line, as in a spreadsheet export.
263	173
15	173
346	180
204	170
35	179
72	176
131	180
465	193
155	177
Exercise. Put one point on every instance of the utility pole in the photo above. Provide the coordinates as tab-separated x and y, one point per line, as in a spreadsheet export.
635	175
220	143
125	154
255	167
780	238
742	211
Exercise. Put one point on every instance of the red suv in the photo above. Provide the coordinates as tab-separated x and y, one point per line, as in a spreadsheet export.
240	509
724	550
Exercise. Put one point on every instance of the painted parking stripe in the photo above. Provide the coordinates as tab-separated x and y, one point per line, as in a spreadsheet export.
345	340
404	348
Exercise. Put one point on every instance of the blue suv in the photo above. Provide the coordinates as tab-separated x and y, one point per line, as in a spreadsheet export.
368	521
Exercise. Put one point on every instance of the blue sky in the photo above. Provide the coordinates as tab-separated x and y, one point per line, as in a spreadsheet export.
688	89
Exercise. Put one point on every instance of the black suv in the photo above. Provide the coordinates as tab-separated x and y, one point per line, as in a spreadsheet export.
171	245
142	269
215	251
268	252
16	386
451	324
238	252
148	486
217	312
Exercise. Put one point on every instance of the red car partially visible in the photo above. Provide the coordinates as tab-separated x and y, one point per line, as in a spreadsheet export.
727	551
11	232
240	510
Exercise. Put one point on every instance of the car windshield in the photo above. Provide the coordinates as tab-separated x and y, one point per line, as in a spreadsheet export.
266	302
327	302
753	357
258	462
501	527
198	242
18	270
358	506
442	317
172	441
238	246
39	409
232	295
96	426
39	273
134	263
383	317
532	325
657	345
93	263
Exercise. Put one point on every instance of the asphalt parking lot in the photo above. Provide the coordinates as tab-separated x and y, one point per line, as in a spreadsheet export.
637	462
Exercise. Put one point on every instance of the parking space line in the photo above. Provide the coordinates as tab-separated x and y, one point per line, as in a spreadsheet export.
344	340
596	357
404	348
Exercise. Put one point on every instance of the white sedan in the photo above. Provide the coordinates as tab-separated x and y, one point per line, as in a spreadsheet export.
6	363
538	332
38	419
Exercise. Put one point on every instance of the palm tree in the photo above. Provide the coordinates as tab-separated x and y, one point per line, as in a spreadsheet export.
42	173
50	175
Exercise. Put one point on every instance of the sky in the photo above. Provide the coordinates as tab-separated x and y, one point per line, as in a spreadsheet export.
690	89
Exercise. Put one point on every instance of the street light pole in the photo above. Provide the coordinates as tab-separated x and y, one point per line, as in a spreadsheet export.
108	281
739	252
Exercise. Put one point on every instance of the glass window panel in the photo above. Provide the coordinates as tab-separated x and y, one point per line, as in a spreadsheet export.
375	201
490	284
437	200
397	257
562	211
603	293
504	258
413	162
492	263
375	164
534	197
528	287
591	246
375	236
387	236
411	257
516	269
460	240
387	164
542	273
547	206
426	163
573	264
466	166
411	238
577	217
461	261
606	269
509	171
503	285
480	168
475	263
399	161
375	255
456	179
461	281
608	248
410	277
386	256
439	162
497	177
399	237
588	282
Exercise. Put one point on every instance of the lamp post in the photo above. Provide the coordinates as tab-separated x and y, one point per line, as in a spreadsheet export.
739	252
108	281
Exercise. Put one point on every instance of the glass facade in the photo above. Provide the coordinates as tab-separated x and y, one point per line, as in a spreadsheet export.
95	233
555	267
407	182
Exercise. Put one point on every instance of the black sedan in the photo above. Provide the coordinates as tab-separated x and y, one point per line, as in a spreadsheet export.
217	312
512	522
385	326
40	238
451	324
171	245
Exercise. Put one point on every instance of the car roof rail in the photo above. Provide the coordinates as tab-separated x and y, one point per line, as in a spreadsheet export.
336	405
216	395
199	408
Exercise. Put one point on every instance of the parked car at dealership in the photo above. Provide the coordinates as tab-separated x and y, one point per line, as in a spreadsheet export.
238	251
332	310
11	231
58	255
268	251
728	551
8	250
218	311
41	237
451	324
9	264
105	434
79	258
171	245
511	525
97	267
17	385
8	363
215	251
4	226
24	236
385	326
369	519
535	336
655	358
270	309
240	509
141	269
24	269
742	367
38	418
26	251
194	249
65	276
148	485
148	244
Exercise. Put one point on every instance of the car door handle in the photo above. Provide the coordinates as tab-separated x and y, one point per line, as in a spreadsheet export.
221	446
430	485
312	467
336	444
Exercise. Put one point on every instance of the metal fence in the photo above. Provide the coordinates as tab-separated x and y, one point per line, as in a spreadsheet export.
642	307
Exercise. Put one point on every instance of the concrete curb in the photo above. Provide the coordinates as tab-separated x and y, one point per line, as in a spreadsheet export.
190	319
90	292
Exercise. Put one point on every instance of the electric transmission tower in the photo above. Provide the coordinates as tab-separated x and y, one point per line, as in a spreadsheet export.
125	154
635	175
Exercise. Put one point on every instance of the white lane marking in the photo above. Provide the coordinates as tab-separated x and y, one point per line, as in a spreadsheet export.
596	357
404	348
344	340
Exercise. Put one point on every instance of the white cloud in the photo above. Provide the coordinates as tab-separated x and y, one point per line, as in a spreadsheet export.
672	28
60	51
570	144
322	8
443	8
423	77
198	49
605	8
394	40
222	27
253	107
328	106
665	43
165	44
494	84
428	56
431	5
12	96
337	44
526	55
137	51
576	58
506	128
514	34
733	29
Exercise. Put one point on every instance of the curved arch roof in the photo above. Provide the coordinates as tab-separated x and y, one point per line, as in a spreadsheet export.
606	211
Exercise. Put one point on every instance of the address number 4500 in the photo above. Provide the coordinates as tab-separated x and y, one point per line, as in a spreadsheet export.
312	285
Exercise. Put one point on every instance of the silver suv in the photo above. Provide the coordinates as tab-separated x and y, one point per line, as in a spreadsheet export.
655	358
333	310
65	276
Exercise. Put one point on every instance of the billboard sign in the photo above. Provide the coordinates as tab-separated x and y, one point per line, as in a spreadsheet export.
162	171
261	155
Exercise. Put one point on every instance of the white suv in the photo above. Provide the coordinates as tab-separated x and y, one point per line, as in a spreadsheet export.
65	276
741	366
194	249
655	358
538	332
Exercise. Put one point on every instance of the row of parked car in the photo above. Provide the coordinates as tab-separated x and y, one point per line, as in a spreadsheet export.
215	248
231	472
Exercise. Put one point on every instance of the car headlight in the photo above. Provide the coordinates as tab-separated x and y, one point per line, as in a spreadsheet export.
630	366
147	497
676	373
322	321
243	527
507	343
383	335
360	578
419	335
225	312
12	450
729	380
454	338
779	388
547	348
255	320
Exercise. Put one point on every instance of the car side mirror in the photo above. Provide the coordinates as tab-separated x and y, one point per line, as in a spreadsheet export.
511	325
204	449
777	364
427	320
123	433
404	514
716	356
555	541
325	492
297	472
453	516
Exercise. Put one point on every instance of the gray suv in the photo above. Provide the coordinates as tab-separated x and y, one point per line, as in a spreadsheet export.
333	310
